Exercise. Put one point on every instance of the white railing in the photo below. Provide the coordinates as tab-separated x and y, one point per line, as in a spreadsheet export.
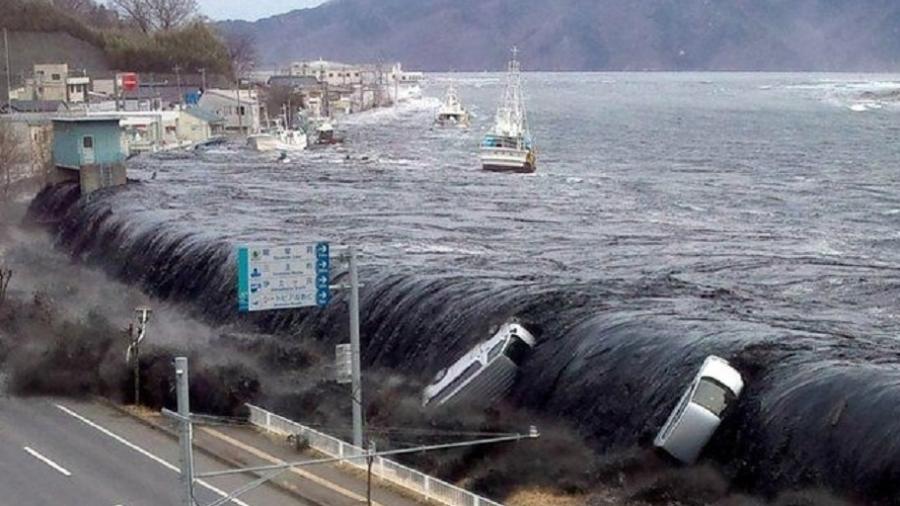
432	489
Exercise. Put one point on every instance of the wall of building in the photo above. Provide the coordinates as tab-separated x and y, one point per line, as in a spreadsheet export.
36	141
97	177
68	136
193	129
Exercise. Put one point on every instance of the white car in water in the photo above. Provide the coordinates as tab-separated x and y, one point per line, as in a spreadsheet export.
485	373
699	412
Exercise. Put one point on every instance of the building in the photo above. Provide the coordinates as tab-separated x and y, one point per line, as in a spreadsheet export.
37	107
35	136
90	150
147	131
239	109
52	82
197	125
294	82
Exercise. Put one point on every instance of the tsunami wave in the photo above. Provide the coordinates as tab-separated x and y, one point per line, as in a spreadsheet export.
614	354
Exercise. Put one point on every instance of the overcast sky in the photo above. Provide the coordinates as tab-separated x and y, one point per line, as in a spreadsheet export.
251	10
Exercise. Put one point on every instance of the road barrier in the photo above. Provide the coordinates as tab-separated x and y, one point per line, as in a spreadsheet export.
432	489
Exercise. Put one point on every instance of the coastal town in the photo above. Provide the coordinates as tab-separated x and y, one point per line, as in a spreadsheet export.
77	124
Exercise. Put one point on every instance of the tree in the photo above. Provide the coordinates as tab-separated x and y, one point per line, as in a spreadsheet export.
241	51
157	15
11	155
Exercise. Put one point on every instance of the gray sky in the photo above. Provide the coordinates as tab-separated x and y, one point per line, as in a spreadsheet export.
251	10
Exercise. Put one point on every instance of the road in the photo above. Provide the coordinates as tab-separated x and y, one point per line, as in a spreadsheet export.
63	452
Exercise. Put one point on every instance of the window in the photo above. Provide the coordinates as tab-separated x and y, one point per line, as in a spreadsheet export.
88	142
55	77
243	111
713	396
495	351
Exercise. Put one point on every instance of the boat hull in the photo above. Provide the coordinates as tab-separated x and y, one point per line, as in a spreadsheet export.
508	160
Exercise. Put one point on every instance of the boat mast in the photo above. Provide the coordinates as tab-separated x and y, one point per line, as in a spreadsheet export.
511	118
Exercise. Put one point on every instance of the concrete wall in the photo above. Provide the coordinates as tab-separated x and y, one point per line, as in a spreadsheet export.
36	140
96	177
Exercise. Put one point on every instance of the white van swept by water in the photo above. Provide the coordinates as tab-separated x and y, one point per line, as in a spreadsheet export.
484	374
699	412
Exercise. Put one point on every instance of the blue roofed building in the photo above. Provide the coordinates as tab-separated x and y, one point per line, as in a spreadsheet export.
91	150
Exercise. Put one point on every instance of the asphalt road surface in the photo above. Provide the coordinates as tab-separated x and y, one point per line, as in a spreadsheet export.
63	452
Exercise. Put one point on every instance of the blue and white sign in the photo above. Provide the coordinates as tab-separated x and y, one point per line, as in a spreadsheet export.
283	277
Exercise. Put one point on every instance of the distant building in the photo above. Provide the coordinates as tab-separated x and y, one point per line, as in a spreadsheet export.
52	82
90	150
294	82
239	109
361	86
37	106
198	125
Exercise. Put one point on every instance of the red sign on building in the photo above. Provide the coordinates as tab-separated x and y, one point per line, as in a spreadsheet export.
129	81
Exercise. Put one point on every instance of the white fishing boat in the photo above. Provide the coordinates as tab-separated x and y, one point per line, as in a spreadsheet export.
280	136
508	146
484	374
278	140
452	112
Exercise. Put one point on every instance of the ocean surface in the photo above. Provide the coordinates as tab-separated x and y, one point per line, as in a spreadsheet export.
755	216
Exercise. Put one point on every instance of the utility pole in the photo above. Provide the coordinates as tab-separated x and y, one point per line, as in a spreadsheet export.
185	433
356	385
134	350
177	70
8	70
369	461
239	115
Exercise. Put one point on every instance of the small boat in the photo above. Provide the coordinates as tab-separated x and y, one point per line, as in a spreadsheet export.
278	140
484	374
452	112
508	147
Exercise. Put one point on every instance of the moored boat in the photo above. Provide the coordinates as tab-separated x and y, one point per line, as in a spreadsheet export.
452	111
508	146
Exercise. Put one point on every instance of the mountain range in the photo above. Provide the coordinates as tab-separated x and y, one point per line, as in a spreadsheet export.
475	35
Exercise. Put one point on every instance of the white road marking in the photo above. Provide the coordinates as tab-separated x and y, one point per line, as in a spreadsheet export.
60	469
144	452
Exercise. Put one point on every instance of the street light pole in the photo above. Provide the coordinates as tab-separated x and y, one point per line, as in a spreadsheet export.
185	434
8	70
356	384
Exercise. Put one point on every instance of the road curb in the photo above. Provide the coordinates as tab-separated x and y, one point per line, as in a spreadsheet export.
206	451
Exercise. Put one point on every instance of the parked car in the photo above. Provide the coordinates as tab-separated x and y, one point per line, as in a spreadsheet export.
700	411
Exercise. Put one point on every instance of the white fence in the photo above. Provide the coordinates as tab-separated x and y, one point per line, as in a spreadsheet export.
432	489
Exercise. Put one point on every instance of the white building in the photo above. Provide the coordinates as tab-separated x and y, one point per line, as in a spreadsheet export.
239	109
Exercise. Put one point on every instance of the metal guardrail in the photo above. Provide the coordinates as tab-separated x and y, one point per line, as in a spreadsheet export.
432	489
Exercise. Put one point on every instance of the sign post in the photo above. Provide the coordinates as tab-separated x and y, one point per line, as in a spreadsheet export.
285	277
356	384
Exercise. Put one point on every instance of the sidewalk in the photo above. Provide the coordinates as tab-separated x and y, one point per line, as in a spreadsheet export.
321	485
